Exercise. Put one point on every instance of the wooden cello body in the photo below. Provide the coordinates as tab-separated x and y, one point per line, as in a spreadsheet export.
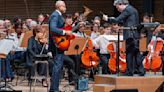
112	61
153	60
89	58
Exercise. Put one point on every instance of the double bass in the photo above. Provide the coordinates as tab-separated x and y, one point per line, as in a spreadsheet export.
112	61
89	58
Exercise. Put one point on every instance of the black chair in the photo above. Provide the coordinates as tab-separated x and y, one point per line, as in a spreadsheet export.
20	69
40	59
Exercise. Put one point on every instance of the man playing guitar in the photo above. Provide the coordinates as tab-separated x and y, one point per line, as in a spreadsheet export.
56	23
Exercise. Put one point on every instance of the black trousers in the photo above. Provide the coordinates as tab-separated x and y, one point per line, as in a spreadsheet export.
133	57
71	67
104	61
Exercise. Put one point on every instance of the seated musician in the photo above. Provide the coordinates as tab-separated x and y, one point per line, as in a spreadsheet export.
101	43
97	20
16	53
40	18
80	31
37	45
147	31
75	18
32	25
95	31
26	24
1	24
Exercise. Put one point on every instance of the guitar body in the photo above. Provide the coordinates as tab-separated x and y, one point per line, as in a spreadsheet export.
63	42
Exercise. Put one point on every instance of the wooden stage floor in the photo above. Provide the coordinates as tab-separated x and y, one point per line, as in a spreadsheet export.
102	83
23	86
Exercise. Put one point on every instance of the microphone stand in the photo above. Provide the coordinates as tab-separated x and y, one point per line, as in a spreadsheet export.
118	54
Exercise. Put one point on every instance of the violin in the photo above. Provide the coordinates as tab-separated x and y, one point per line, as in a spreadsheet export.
89	57
112	61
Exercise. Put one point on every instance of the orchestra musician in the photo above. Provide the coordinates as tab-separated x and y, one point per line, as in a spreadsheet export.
101	43
37	45
2	24
129	17
40	19
56	23
95	31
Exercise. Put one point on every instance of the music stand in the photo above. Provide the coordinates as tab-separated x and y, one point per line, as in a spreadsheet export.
76	47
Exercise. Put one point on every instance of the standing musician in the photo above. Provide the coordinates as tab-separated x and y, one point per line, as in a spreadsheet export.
56	23
129	16
101	43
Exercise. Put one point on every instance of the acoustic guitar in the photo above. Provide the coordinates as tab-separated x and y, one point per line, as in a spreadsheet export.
62	42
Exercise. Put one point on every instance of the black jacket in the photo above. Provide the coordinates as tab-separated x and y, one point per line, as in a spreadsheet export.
129	17
34	48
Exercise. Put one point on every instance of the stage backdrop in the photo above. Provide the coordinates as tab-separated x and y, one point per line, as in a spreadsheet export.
31	8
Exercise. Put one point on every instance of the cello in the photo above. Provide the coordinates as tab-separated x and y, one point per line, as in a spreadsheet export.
112	61
89	57
153	60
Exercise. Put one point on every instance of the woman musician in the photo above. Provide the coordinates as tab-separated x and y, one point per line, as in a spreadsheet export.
37	45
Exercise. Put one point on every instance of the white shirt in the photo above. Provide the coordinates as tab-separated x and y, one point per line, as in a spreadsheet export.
102	42
94	35
59	12
16	42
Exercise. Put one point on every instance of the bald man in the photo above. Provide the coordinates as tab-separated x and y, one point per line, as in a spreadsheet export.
56	23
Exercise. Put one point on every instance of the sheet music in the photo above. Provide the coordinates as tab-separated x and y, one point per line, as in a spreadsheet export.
113	37
6	46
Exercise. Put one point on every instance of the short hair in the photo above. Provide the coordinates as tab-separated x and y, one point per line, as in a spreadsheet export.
97	18
33	23
106	25
120	2
58	3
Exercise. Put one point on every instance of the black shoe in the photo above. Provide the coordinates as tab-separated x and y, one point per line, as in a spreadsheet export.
142	74
128	74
